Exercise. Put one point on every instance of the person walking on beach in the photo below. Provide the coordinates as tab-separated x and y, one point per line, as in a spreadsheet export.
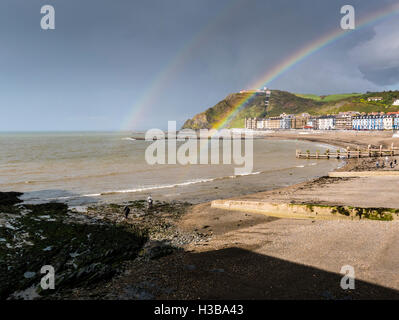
149	202
126	211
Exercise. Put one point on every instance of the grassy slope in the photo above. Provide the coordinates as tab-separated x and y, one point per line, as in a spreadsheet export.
360	103
282	101
328	98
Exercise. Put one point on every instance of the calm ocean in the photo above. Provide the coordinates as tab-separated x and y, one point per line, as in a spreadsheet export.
81	168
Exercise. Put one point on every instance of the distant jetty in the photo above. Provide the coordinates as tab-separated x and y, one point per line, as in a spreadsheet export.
347	153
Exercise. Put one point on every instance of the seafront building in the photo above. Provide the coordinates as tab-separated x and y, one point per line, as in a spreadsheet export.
275	123
262	123
343	121
300	122
368	122
326	122
376	122
388	122
286	121
251	123
312	123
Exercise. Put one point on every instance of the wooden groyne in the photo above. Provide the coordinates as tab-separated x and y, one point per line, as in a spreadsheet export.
348	153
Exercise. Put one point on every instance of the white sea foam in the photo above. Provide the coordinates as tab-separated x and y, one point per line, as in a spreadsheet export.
142	189
150	188
129	139
244	174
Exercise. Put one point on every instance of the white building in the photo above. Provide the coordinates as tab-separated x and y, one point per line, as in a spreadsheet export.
369	122
388	122
374	99
326	123
396	102
262	124
251	123
312	123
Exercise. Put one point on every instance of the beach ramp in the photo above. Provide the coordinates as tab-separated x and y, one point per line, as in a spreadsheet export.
307	211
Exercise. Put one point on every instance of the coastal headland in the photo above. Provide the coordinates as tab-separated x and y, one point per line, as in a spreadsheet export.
204	252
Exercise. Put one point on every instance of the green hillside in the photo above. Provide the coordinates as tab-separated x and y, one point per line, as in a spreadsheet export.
359	103
328	98
286	102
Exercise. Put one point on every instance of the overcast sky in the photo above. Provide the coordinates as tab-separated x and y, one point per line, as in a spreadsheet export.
109	65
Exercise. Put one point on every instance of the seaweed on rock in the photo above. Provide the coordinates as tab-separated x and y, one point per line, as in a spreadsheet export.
82	251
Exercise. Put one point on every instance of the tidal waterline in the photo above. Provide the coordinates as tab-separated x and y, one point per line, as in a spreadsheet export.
88	167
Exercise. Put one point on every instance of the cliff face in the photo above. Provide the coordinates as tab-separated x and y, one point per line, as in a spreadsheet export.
199	121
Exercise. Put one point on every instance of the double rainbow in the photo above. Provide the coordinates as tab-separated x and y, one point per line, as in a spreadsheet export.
300	55
165	76
171	70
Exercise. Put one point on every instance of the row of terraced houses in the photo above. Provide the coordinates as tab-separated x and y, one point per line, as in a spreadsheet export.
350	120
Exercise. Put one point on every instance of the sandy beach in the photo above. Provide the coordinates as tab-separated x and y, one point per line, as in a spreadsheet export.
243	255
196	251
369	246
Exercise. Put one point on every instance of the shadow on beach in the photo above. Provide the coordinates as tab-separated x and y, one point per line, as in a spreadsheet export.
235	273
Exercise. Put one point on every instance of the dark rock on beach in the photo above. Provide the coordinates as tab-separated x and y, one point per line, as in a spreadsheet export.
9	198
87	250
82	249
156	249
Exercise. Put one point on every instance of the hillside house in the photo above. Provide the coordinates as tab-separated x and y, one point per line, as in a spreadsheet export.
374	99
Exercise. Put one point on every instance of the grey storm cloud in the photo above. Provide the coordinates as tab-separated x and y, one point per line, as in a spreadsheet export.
103	61
378	58
381	76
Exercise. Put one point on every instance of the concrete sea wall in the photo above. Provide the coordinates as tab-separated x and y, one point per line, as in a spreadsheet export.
307	211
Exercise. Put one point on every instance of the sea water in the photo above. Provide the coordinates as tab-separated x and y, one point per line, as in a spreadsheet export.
80	168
